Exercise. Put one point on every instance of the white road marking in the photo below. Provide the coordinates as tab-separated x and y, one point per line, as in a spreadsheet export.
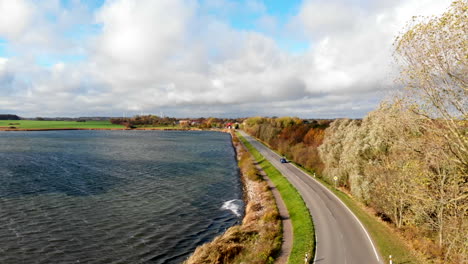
336	197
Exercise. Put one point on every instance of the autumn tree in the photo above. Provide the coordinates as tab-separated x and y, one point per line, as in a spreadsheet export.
434	58
292	137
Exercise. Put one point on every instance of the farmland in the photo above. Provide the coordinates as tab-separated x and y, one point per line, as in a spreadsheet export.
35	124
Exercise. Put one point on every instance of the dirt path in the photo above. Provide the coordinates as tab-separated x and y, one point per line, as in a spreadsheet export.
286	246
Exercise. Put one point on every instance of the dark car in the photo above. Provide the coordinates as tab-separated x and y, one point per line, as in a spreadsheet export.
283	160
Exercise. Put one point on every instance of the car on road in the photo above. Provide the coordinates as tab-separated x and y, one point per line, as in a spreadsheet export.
283	160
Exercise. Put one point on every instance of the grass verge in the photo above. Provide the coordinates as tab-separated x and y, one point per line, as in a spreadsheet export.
304	238
387	241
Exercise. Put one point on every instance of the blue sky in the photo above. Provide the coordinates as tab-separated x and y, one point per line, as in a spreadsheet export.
240	19
3	48
307	58
282	12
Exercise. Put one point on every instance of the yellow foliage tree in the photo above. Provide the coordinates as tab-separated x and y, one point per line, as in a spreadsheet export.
434	58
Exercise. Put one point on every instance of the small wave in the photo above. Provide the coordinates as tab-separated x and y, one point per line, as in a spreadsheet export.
235	206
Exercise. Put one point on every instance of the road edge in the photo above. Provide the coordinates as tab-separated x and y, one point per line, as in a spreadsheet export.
312	241
376	251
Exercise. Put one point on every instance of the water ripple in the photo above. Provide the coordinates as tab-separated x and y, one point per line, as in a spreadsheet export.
113	196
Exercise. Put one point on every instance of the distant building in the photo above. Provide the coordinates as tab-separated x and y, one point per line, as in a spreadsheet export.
231	125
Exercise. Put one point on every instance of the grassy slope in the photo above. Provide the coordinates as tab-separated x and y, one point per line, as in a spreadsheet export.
33	124
304	238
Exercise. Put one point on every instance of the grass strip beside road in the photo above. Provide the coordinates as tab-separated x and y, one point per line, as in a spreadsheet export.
388	242
304	237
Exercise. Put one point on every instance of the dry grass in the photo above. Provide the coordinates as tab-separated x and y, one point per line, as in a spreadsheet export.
303	239
258	239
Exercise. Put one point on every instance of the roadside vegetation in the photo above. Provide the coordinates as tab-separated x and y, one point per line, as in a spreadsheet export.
407	161
258	239
388	240
294	138
303	229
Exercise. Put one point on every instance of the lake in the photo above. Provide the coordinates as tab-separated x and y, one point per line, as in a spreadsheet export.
114	196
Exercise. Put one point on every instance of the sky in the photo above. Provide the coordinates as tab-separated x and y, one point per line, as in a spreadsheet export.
201	58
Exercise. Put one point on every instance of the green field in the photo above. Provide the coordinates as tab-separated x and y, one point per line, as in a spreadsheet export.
34	124
304	238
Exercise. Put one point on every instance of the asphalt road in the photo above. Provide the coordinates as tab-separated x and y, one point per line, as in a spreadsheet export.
341	238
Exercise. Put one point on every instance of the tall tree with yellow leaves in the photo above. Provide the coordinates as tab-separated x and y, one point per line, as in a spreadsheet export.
434	58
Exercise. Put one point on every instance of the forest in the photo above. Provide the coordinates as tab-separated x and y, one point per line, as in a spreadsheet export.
408	159
296	139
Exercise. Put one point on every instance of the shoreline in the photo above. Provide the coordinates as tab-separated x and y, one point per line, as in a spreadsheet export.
258	238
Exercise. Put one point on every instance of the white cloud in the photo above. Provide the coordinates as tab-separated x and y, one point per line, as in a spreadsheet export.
15	17
3	62
187	52
267	23
134	32
37	28
352	44
175	55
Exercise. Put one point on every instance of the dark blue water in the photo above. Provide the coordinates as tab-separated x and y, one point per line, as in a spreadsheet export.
114	196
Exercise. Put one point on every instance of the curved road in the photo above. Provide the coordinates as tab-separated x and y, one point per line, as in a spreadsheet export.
341	238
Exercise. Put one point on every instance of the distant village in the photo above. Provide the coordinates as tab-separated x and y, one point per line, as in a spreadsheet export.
151	121
204	123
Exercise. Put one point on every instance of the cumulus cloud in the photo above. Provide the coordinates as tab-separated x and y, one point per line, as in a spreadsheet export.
15	17
134	32
185	59
176	56
353	44
38	28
